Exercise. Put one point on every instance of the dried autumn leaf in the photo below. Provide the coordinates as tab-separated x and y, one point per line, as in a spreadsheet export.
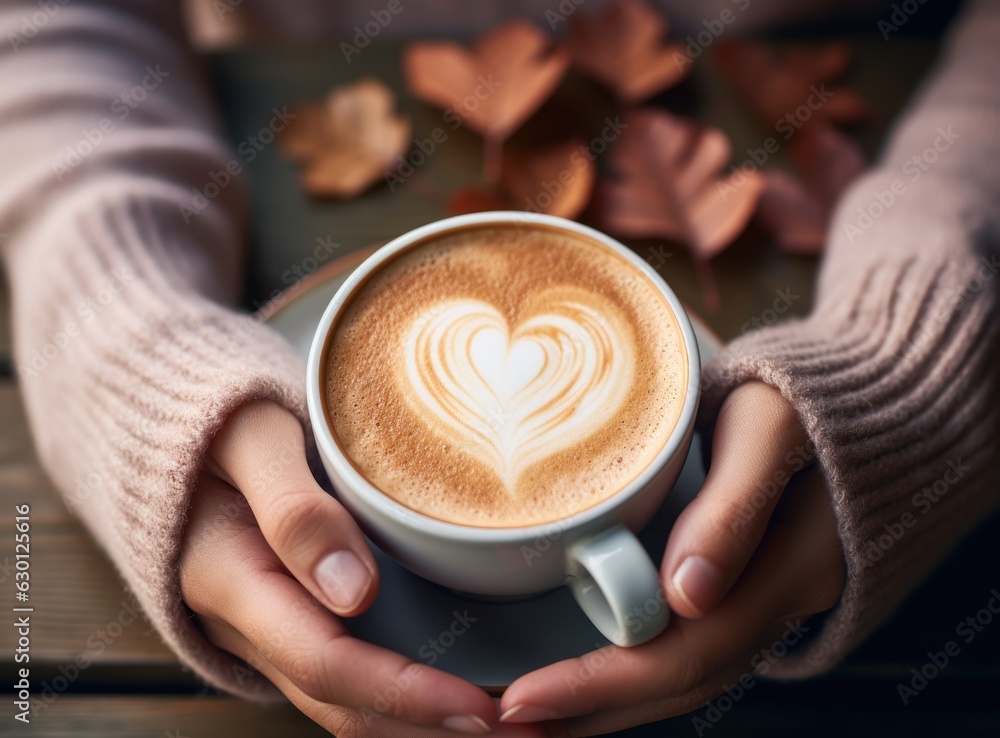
797	212
557	181
668	183
494	88
622	47
787	87
346	143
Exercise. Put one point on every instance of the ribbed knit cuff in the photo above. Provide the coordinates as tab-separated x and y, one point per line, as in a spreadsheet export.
894	377
128	371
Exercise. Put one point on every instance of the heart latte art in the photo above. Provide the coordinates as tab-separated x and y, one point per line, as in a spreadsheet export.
516	396
504	376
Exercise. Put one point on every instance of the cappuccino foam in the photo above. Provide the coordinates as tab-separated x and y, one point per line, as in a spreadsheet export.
501	378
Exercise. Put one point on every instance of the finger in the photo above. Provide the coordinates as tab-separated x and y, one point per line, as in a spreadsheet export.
670	666
253	609
673	664
348	723
621	718
757	445
261	452
792	576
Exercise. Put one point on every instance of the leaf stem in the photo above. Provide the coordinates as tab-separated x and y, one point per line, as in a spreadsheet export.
492	159
706	283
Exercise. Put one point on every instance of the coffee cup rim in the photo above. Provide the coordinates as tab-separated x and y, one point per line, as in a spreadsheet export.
389	507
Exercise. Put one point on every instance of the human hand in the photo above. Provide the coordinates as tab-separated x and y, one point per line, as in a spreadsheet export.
269	559
760	568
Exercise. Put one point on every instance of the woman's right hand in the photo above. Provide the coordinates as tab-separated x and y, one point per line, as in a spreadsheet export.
268	562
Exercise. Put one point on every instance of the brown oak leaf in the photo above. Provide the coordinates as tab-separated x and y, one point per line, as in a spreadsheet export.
788	86
622	47
669	183
797	211
347	142
557	180
494	87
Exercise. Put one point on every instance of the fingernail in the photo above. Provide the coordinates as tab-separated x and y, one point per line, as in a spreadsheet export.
699	582
467	724
527	714
343	578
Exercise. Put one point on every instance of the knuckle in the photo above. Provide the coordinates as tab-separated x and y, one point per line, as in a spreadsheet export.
690	676
691	671
406	703
306	671
294	519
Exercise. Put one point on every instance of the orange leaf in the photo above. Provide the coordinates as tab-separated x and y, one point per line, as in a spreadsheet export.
497	85
557	181
476	199
669	184
346	143
787	86
798	212
622	47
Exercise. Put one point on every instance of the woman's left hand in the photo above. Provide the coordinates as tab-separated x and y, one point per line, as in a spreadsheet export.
741	572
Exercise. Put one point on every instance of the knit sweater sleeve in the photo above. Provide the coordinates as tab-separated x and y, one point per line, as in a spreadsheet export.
127	359
894	373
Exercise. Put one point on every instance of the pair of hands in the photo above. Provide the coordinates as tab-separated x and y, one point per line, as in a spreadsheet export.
270	560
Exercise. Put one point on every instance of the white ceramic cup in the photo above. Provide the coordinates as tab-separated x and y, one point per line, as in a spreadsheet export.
595	551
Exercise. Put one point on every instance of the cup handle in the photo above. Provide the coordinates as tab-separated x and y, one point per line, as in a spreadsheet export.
618	587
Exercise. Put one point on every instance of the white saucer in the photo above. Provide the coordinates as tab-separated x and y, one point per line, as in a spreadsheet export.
486	643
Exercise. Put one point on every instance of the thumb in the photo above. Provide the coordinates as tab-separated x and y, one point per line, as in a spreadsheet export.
261	451
758	444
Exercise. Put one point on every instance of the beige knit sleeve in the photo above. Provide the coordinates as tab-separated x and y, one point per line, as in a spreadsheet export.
127	360
895	372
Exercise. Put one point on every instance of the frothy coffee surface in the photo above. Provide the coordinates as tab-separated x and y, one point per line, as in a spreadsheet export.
499	378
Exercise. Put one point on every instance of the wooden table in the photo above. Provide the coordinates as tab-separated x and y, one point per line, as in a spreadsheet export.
136	687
